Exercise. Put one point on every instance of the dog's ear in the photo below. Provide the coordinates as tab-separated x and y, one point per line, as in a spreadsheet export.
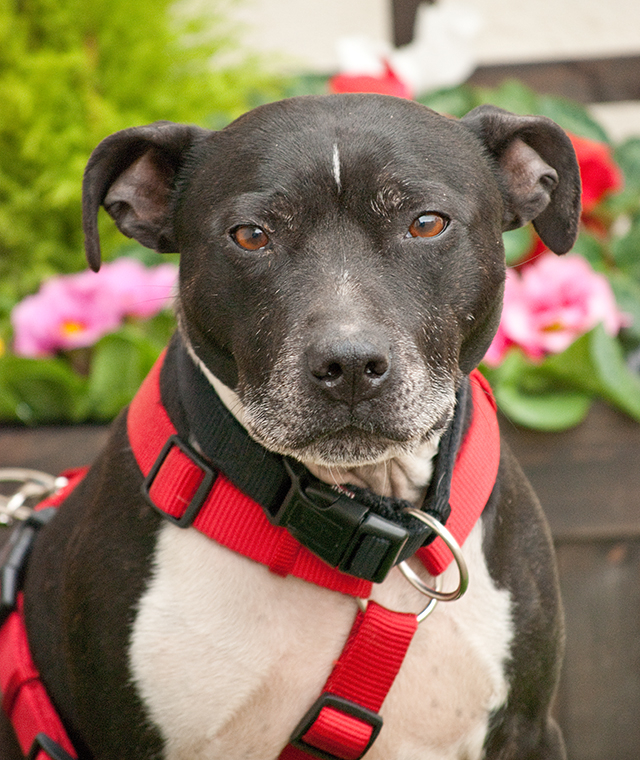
540	179
132	174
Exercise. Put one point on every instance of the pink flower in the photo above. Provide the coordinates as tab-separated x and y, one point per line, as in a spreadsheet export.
137	291
552	303
73	311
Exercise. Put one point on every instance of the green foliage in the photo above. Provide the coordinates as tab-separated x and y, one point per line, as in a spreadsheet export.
557	392
48	390
517	243
72	73
514	96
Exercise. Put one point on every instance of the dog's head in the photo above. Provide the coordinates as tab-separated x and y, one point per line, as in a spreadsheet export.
342	262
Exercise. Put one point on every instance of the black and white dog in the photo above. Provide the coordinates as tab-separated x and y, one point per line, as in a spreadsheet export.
341	275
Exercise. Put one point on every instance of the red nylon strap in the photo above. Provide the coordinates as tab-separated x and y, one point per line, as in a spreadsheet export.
474	475
234	520
363	675
24	698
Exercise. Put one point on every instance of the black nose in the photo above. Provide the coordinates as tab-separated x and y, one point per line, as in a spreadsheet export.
349	369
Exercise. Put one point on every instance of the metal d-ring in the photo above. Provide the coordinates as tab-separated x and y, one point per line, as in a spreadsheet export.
422	615
32	484
414	579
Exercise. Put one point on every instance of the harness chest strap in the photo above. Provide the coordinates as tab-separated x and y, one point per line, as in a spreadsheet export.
344	721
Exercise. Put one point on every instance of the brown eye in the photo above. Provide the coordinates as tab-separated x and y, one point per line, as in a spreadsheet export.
427	226
250	238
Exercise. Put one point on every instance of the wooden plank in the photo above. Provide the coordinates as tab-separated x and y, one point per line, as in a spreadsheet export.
51	448
593	80
599	697
587	478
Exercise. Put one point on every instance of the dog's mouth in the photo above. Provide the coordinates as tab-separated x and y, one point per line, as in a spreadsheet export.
349	444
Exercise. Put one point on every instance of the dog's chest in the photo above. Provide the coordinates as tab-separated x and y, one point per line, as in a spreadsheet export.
228	657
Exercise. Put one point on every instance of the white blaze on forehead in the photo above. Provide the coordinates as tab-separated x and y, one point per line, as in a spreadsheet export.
336	165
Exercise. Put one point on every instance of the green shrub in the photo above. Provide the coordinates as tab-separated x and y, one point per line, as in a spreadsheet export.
72	73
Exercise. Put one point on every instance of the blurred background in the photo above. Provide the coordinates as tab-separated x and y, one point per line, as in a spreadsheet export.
74	346
597	43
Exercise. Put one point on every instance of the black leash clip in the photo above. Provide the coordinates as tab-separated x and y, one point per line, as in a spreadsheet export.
339	529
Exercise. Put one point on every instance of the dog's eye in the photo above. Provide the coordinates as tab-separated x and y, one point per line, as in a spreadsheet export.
250	238
427	226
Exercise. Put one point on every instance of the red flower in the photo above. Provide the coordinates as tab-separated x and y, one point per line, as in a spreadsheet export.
599	173
387	83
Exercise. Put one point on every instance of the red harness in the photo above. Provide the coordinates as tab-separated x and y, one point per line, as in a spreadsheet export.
344	720
37	726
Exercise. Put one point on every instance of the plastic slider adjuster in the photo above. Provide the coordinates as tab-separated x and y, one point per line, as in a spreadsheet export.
42	743
339	529
197	500
346	706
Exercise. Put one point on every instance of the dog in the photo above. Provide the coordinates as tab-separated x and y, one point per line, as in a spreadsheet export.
341	275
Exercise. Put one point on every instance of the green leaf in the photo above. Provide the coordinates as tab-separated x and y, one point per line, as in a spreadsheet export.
530	397
548	411
626	251
456	101
627	294
619	384
39	390
628	157
517	243
120	363
572	117
511	95
572	368
595	364
592	250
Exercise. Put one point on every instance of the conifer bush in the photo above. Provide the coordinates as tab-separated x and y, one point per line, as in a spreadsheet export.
72	73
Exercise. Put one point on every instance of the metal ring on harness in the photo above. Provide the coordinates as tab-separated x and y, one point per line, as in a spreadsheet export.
33	484
422	615
453	546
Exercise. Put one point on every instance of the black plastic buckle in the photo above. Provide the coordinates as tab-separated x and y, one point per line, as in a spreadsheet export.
326	699
191	511
45	744
14	556
340	530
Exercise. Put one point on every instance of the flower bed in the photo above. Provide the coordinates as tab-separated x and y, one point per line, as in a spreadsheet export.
570	330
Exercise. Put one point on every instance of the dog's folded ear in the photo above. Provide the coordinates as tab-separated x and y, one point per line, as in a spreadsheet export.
132	173
538	172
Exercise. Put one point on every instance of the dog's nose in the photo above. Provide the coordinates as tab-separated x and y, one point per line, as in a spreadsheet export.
349	369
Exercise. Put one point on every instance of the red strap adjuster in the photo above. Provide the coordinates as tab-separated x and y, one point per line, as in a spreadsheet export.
180	491
336	728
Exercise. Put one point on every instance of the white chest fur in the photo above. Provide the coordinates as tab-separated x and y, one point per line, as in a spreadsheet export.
228	657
